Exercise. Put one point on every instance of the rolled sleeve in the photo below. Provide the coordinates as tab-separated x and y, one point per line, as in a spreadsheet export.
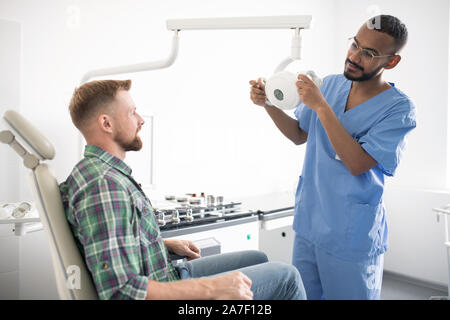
386	141
110	241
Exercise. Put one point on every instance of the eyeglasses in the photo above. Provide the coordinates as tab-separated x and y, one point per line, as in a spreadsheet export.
366	54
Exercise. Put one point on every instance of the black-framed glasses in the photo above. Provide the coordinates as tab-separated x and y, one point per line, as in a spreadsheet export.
366	54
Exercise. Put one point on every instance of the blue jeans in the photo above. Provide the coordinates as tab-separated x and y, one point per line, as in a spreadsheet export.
270	280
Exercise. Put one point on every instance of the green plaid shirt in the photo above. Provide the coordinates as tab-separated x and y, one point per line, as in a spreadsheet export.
115	227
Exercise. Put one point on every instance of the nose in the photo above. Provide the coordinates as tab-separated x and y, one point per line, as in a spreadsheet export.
355	56
141	120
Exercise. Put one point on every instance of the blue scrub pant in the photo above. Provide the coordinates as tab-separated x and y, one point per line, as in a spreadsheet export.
270	280
328	277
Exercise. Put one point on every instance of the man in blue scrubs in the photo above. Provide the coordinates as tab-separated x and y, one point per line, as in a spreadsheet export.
355	128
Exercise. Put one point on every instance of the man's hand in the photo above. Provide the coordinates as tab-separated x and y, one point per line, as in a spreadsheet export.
258	93
309	93
231	286
183	248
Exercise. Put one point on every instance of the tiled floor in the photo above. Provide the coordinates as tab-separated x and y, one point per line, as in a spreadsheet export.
395	289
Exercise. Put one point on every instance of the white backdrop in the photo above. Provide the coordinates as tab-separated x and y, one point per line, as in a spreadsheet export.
207	134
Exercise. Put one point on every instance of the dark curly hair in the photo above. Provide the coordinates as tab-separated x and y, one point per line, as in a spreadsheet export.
392	26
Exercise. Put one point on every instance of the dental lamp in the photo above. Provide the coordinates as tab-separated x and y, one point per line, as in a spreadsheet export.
275	83
281	90
176	25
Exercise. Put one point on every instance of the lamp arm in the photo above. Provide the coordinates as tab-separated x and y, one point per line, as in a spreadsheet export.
138	67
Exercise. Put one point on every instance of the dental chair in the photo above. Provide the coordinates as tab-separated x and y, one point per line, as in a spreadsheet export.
73	279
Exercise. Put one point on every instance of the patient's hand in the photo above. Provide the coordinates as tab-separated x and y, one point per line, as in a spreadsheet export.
183	248
231	286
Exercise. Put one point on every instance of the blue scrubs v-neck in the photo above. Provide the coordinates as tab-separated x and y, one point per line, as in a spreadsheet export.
335	210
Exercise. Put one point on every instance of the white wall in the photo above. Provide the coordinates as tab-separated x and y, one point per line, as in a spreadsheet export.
208	135
416	238
10	54
204	120
37	281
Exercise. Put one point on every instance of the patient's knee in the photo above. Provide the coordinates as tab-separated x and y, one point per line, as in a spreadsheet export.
256	256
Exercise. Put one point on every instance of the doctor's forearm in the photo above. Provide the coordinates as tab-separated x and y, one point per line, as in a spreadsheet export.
354	157
287	125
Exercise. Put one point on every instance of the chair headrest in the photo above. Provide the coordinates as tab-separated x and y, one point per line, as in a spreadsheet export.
30	135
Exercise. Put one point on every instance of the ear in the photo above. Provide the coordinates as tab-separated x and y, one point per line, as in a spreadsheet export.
105	123
391	64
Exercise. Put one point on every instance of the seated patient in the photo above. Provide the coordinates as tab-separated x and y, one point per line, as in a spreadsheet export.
115	226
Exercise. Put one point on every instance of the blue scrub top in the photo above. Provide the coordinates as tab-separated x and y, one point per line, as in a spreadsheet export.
339	212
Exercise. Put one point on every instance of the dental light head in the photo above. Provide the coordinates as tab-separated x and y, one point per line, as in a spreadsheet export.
281	89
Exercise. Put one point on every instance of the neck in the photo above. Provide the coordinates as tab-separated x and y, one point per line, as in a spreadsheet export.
375	84
109	146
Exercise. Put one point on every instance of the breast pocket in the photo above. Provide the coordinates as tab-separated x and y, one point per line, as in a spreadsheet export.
148	228
363	232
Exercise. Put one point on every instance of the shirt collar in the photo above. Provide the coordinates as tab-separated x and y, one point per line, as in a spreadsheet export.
92	151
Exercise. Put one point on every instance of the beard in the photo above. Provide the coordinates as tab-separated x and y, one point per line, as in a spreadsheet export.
134	144
364	76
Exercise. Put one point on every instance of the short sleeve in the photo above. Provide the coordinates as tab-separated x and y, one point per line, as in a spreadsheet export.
303	115
386	141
